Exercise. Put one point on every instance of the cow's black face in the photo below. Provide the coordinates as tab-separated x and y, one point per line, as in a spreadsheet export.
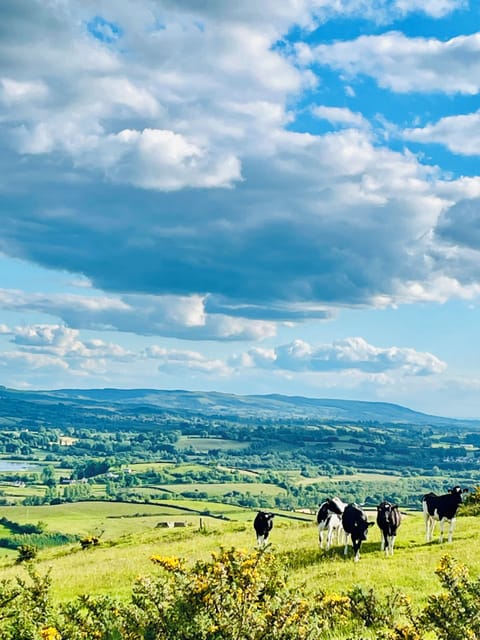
458	492
362	533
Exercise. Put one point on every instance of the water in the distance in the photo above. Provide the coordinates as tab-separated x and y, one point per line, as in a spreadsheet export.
8	465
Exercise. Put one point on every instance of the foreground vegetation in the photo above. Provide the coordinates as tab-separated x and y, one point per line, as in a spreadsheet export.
239	596
207	580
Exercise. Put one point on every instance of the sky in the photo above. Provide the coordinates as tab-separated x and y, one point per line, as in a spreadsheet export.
249	197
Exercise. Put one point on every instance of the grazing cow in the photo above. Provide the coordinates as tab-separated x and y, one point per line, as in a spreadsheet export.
355	523
263	524
388	519
442	508
329	520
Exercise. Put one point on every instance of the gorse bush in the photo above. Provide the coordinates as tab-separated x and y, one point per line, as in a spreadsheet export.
455	613
26	552
471	504
237	596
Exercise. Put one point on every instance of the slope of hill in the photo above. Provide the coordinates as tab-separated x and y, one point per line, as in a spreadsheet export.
222	404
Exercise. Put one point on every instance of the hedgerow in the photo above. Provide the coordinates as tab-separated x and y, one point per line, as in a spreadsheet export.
237	596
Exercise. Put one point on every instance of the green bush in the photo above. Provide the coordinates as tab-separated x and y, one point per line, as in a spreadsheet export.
26	552
237	596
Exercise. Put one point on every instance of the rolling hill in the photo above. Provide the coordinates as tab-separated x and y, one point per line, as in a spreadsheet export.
222	405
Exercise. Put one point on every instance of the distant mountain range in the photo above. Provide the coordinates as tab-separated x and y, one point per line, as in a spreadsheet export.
224	405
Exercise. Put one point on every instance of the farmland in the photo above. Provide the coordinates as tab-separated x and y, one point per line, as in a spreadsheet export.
130	535
146	481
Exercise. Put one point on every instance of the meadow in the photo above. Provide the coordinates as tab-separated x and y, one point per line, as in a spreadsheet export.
130	536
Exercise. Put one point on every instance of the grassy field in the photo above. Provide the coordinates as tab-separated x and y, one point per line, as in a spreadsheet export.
222	488
131	536
207	444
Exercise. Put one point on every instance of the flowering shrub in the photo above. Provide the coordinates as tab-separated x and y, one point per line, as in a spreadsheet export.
89	541
237	596
454	614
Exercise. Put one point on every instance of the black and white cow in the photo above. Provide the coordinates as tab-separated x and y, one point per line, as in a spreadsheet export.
388	519
443	509
263	524
355	523
329	521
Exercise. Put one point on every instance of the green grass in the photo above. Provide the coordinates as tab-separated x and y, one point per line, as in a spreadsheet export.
208	444
131	537
222	488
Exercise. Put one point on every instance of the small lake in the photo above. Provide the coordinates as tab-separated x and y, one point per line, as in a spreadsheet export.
8	465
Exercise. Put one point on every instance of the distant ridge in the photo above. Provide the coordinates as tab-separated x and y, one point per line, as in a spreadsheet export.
212	403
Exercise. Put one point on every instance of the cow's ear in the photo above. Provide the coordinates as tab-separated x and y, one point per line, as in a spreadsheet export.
378	508
465	491
394	506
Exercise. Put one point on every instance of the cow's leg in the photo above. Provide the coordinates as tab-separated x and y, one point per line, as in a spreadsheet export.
260	541
321	532
356	549
451	528
329	537
442	524
383	542
427	526
387	543
345	550
430	526
392	544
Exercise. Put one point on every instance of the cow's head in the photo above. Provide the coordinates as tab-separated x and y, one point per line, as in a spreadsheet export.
362	529
458	492
386	507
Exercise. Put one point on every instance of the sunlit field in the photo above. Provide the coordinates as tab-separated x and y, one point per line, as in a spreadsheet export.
130	536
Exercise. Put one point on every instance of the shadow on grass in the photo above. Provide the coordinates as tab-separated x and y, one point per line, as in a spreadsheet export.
303	558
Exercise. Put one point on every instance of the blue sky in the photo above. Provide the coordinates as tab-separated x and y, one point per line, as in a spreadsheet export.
249	197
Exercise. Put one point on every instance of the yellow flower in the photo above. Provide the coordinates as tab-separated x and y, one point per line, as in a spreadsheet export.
170	563
50	633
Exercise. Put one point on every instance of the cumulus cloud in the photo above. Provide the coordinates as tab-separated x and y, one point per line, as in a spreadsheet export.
62	342
459	133
177	361
405	64
174	316
342	355
434	8
340	116
185	194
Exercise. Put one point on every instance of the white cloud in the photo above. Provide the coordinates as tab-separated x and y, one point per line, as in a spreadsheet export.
339	115
177	316
139	137
13	91
175	361
405	64
434	8
348	354
459	133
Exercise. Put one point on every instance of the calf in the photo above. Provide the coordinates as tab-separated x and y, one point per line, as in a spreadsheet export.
263	524
329	520
442	508
388	519
355	523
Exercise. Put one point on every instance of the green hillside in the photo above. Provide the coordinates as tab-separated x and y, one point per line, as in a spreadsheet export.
130	535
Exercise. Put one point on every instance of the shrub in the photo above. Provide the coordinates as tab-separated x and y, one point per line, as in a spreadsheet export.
235	595
89	541
455	613
26	552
